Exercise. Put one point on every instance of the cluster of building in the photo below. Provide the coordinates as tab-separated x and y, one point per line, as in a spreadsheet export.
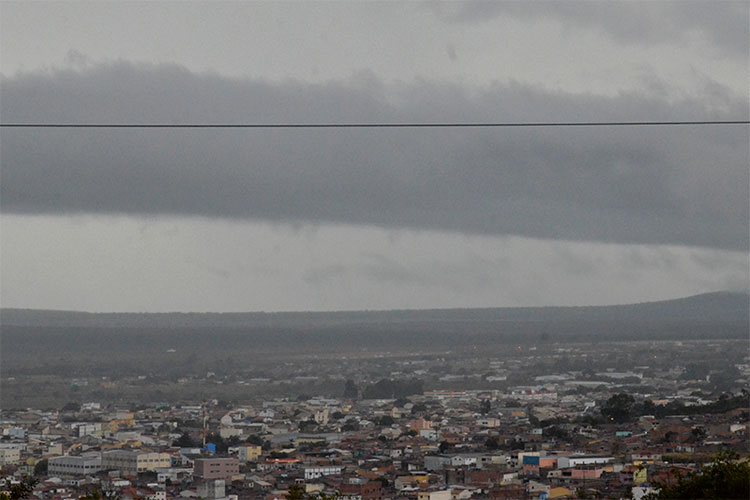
440	445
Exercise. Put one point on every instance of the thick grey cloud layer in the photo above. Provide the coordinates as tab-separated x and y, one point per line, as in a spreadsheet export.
116	263
683	185
723	24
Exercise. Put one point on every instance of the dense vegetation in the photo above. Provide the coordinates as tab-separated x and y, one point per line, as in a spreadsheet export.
727	478
622	407
49	337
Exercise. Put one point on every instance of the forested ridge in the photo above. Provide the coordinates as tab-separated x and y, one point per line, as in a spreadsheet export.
717	315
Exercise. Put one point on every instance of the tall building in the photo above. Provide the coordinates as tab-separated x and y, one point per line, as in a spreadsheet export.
216	468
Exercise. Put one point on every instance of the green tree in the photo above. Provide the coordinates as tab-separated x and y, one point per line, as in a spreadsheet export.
698	433
97	494
350	390
725	378
308	425
556	432
350	424
727	478
254	439
222	445
696	371
385	420
18	491
619	408
297	492
71	406
445	446
185	441
92	495
485	406
418	408
40	468
393	389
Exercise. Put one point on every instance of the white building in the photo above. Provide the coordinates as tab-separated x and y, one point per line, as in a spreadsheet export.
227	431
318	472
86	429
459	460
321	416
174	474
564	462
15	433
9	456
436	462
157	495
434	495
488	422
430	434
212	489
248	453
639	492
74	465
13	446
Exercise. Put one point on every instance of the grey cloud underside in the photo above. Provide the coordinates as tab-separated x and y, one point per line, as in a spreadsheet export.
723	24
681	185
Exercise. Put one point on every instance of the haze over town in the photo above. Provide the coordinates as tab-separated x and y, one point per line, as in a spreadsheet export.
480	250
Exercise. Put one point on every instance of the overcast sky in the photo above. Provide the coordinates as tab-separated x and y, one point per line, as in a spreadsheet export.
328	219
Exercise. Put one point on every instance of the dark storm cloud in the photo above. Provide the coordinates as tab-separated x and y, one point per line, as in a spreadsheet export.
723	24
681	185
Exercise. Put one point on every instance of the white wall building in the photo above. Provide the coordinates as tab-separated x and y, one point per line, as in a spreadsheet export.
212	489
430	434
174	474
459	460
434	495
15	433
9	456
564	462
74	465
86	428
317	472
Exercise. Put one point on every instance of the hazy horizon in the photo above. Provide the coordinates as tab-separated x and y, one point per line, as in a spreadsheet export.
352	219
666	299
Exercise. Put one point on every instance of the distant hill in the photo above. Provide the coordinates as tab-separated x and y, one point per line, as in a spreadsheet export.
36	335
717	306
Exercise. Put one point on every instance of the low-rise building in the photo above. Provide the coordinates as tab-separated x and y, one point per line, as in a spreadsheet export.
249	453
130	463
9	456
69	465
564	462
434	495
317	472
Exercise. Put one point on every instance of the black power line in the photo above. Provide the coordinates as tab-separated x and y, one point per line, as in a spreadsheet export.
378	125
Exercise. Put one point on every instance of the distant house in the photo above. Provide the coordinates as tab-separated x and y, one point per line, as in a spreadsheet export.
216	468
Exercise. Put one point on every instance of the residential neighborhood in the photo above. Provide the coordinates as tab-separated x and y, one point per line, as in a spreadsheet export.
558	438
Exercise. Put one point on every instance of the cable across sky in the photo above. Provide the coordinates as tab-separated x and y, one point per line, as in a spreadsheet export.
382	125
